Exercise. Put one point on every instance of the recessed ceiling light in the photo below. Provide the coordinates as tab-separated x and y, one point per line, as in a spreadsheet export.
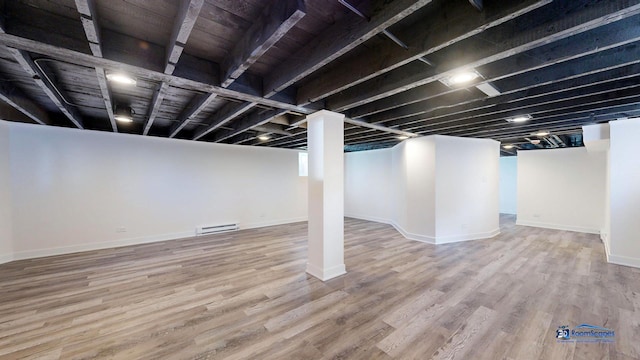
402	137
508	146
121	78
460	78
123	114
263	137
463	77
534	141
519	118
542	133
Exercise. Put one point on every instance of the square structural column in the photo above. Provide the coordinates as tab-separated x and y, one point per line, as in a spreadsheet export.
325	145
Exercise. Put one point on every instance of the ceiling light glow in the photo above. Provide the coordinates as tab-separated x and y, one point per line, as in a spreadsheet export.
542	133
121	78
463	77
535	142
508	146
123	118
402	137
263	137
519	119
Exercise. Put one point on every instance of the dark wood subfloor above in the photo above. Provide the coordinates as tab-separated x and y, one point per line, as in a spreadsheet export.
245	295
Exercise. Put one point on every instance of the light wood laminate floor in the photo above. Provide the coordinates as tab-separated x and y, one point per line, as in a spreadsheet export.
245	295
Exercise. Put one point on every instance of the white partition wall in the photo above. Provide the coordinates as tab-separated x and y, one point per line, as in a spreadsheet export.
76	190
467	189
509	185
624	191
443	189
325	134
366	173
562	189
6	246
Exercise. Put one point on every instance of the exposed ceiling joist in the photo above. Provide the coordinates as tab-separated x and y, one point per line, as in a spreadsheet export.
78	58
223	116
188	11
247	123
195	107
342	37
276	20
89	18
553	56
19	101
477	53
451	24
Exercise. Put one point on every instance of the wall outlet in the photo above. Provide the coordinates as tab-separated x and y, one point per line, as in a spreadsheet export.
121	229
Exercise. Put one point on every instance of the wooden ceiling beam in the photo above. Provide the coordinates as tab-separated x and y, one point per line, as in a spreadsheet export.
337	40
247	123
27	64
449	24
19	101
536	86
274	22
476	54
583	105
78	58
228	112
196	105
615	35
88	16
188	11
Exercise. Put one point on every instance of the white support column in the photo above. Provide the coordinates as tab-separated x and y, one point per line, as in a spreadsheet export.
325	143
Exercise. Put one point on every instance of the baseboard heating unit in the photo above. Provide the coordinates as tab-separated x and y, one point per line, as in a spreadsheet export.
214	229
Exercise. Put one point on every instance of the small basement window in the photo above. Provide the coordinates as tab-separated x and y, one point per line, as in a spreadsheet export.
303	164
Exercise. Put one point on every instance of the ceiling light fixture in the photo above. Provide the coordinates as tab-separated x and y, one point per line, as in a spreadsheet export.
263	137
402	137
534	141
121	78
541	133
460	78
508	146
520	118
124	114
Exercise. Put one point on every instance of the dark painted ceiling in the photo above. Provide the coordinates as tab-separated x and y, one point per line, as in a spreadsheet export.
231	70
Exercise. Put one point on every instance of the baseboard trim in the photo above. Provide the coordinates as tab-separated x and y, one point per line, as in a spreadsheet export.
422	238
6	258
467	237
272	223
31	254
326	274
557	226
369	218
623	260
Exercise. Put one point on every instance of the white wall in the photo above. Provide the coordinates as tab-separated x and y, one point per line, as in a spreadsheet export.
415	166
509	184
367	173
6	236
434	189
562	189
73	190
467	188
624	165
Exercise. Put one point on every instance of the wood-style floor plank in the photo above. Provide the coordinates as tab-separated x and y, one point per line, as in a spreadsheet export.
245	295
